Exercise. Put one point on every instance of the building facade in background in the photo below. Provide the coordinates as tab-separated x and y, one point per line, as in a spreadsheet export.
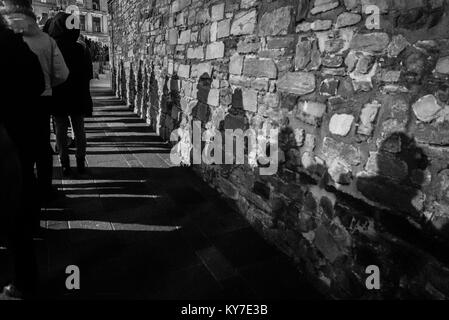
93	15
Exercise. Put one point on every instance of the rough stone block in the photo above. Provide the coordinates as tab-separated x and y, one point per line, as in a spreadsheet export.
217	12
179	5
321	25
215	50
427	108
249	100
213	31
367	118
370	42
184	71
214	97
344	152
275	22
202	16
223	28
340	124
443	65
323	6
341	173
236	64
299	83
253	67
201	69
397	45
248	3
303	54
271	100
244	23
347	19
184	37
173	36
310	112
195	53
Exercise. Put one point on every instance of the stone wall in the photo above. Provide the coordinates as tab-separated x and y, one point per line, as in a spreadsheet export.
360	95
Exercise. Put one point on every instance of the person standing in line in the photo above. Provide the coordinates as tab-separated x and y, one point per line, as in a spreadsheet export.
20	13
21	82
73	98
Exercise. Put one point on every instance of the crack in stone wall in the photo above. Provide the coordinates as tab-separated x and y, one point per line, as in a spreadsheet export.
362	104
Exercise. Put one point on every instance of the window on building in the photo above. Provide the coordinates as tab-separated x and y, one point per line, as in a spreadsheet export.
96	4
96	24
82	23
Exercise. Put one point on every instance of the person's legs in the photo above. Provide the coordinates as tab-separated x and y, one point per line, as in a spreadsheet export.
24	219
44	160
80	140
62	124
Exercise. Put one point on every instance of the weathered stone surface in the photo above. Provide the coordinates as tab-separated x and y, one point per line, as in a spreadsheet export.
346	153
215	50
397	45
299	83
303	54
340	124
341	173
370	42
347	19
435	133
367	118
275	22
329	87
173	36
321	25
236	64
201	69
249	100
213	31
335	41
302	10
213	98
195	53
202	16
248	3
323	6
427	108
332	61
217	12
184	71
223	28
311	112
303	27
184	37
443	65
364	148
244	23
253	67
179	5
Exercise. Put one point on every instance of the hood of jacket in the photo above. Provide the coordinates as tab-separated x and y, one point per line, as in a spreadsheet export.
58	29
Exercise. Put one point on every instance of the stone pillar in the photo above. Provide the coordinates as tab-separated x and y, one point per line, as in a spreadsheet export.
89	26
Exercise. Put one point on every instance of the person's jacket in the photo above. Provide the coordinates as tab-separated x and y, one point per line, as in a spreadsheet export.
21	83
46	49
73	96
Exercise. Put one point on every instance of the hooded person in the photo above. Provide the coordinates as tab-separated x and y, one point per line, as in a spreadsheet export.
22	81
22	19
73	98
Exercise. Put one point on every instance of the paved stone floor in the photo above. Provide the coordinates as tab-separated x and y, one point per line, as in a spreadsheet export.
139	228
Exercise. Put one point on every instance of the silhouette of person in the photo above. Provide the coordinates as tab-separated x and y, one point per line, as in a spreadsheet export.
399	172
